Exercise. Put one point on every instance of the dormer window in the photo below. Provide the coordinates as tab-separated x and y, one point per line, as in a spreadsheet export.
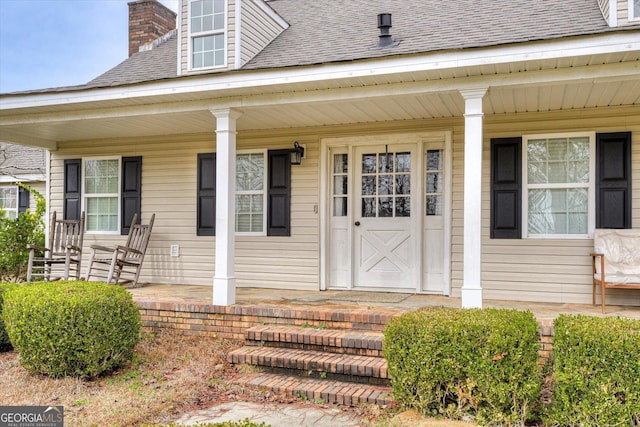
207	33
634	10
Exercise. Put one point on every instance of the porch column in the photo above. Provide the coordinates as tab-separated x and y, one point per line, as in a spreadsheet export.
472	285
224	280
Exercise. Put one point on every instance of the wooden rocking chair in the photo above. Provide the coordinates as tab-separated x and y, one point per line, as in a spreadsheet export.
111	263
65	250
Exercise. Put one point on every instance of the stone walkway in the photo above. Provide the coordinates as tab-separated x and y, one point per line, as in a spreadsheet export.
276	415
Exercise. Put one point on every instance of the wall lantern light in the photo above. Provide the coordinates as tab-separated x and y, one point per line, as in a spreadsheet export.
297	153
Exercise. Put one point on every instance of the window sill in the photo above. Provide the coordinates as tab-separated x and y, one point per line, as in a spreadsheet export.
560	237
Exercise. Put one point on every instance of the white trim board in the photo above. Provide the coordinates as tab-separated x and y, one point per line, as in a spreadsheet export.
555	49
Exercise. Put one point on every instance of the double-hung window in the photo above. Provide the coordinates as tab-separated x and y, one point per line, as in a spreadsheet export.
250	193
9	201
634	10
207	33
558	185
101	194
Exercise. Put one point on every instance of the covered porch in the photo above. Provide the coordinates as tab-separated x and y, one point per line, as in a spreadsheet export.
465	99
199	298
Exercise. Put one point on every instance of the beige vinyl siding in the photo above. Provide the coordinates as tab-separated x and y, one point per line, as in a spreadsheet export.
40	187
547	270
184	37
623	14
169	190
258	30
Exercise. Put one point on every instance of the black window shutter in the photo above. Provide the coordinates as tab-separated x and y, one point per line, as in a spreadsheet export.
279	193
613	180
23	200
72	188
206	221
131	195
506	188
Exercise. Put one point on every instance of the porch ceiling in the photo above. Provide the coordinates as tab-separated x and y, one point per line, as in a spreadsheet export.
514	87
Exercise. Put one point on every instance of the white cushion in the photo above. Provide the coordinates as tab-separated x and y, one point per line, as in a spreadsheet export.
619	279
621	249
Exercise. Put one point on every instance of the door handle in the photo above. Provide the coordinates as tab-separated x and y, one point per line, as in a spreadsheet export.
357	223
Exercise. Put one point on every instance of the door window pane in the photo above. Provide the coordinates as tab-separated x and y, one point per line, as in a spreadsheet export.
403	206
368	163
369	207
403	162
340	184
385	178
434	182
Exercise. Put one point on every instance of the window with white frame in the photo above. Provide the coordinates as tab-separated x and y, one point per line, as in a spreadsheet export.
101	194
9	201
558	184
251	193
634	10
207	22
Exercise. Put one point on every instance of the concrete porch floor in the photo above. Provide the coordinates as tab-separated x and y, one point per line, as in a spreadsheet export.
379	301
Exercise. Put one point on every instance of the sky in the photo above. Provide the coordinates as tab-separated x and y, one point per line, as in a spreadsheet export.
53	43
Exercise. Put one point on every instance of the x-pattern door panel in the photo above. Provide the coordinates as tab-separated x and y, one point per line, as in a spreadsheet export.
386	242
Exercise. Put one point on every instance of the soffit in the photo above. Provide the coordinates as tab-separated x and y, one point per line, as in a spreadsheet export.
515	87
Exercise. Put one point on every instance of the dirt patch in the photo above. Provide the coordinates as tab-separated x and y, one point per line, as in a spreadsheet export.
171	375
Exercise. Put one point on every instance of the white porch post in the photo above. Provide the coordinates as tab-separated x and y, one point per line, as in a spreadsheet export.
472	285
224	280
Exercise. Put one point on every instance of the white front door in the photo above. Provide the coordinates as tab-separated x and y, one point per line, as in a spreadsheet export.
386	233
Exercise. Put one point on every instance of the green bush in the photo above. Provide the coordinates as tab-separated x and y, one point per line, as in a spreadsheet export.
465	363
78	329
5	344
597	372
16	234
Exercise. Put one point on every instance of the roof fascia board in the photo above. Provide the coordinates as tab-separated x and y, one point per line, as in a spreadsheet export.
594	73
271	13
22	178
627	41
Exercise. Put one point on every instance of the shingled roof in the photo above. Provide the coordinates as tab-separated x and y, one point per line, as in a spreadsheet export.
327	31
17	160
155	64
342	30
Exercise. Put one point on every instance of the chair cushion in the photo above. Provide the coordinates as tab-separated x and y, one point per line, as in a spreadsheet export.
621	249
620	279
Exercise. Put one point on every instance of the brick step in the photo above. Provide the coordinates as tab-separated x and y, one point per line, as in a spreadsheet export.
318	364
327	391
364	343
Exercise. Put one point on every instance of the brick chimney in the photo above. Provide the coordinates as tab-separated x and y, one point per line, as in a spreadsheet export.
148	20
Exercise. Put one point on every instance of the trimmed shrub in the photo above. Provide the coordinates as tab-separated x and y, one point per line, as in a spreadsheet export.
79	329
597	371
5	344
464	363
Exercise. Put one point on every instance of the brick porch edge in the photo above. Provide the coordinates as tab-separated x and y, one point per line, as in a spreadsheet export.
230	322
